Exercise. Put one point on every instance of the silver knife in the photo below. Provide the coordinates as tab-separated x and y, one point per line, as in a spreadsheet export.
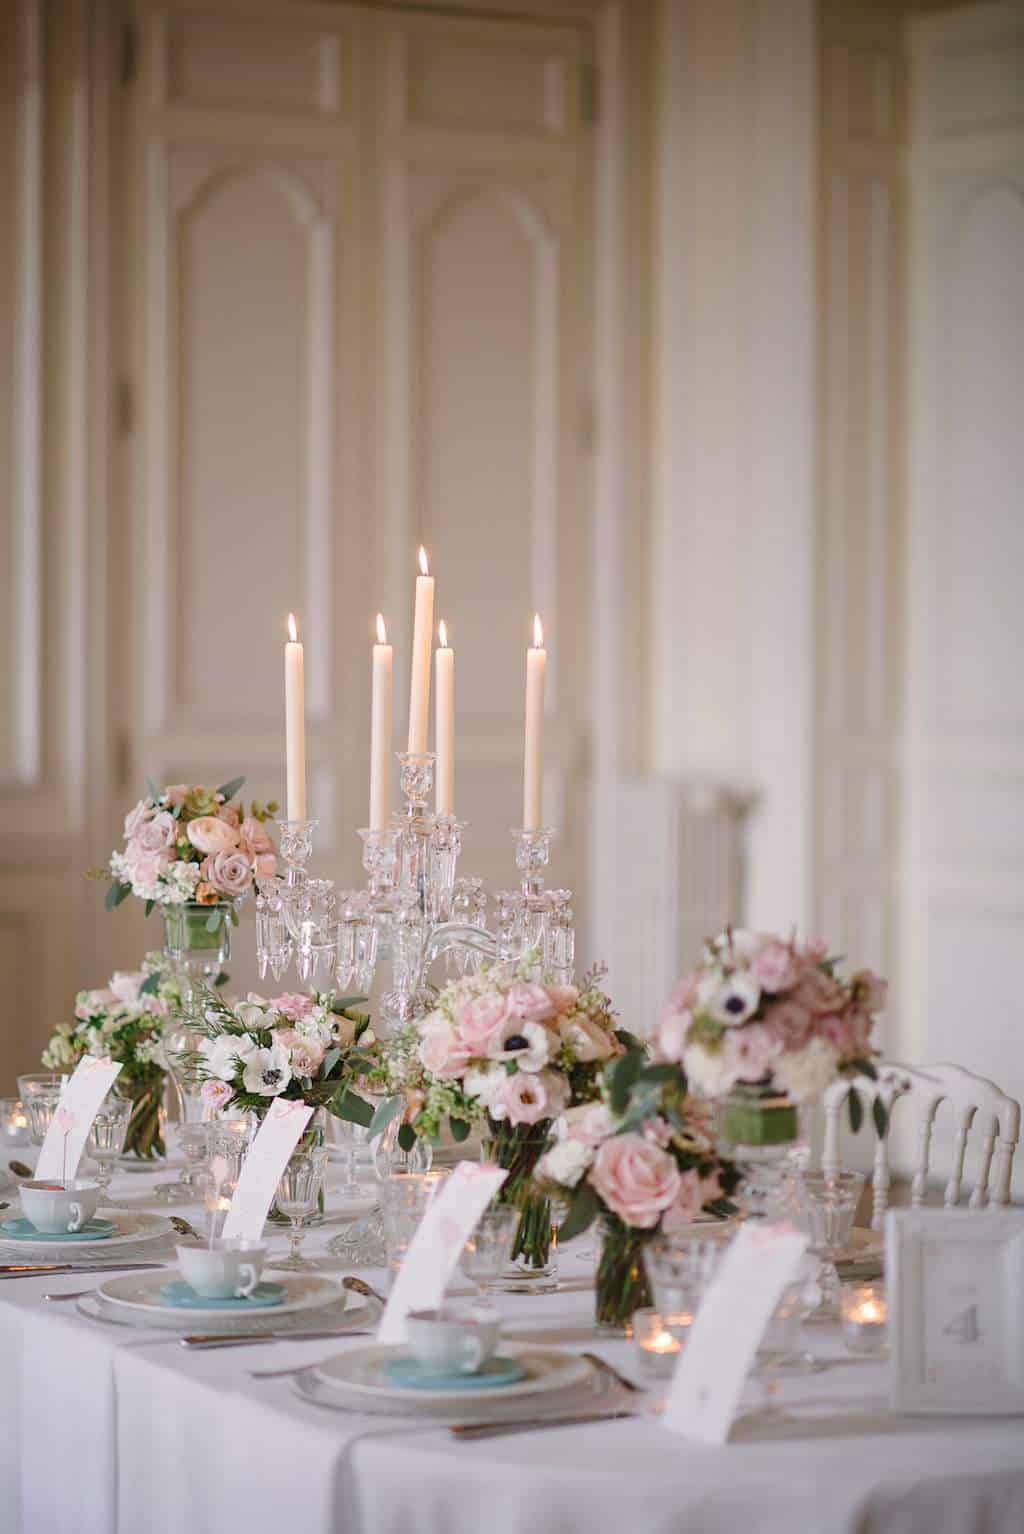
37	1269
246	1339
532	1424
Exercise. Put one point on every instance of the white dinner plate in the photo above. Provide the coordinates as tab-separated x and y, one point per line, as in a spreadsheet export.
358	1373
134	1228
140	1293
339	1317
593	1393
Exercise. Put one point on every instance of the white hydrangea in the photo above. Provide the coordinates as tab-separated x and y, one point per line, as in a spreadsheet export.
709	1072
566	1162
805	1073
483	1084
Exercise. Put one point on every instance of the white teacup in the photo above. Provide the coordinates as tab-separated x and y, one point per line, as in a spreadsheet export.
452	1342
59	1208
227	1270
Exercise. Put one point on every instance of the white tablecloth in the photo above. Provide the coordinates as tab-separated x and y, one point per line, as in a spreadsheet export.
106	1431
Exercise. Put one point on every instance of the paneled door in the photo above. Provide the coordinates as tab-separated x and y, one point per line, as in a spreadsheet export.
356	323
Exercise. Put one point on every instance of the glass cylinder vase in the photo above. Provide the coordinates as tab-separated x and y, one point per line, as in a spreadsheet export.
144	1089
197	938
762	1131
518	1148
620	1285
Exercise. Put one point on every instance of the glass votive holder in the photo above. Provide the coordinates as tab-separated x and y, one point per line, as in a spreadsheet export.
13	1122
864	1318
658	1341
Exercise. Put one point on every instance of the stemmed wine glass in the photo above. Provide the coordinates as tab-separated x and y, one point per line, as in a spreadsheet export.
106	1140
486	1254
298	1193
351	1136
829	1202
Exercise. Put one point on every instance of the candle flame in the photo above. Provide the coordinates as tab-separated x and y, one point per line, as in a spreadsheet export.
382	633
424	567
442	634
538	632
293	632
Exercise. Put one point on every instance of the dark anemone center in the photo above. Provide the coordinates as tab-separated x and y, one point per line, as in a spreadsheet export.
517	1041
735	1004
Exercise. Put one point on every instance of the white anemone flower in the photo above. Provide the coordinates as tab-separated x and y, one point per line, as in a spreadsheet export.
268	1071
223	1053
528	1044
735	1000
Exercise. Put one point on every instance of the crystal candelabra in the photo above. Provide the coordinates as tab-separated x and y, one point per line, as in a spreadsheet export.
414	909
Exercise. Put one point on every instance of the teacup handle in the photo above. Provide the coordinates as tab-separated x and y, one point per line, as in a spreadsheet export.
472	1350
77	1220
248	1278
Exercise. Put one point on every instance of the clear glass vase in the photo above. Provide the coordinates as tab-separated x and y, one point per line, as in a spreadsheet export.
518	1148
144	1089
197	938
764	1133
620	1284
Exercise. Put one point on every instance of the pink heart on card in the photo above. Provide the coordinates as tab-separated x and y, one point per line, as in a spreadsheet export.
451	1233
65	1120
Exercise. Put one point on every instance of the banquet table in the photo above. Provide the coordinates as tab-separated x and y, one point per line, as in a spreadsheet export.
105	1430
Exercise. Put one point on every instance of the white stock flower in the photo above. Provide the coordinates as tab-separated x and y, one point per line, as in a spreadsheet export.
483	1084
267	1071
566	1162
708	1071
805	1073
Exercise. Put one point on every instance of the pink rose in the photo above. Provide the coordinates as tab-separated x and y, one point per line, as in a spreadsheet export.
210	835
146	867
871	991
585	1038
156	834
528	1097
589	1122
216	1094
480	1022
790	1023
750	1053
256	842
230	813
688	1205
819	993
562	997
177	793
529	1002
94	1001
136	818
638	1181
774	967
125	985
292	1005
228	872
441	1051
670	1039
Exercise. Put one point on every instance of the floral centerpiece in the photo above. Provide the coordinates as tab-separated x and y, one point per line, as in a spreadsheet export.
507	1051
307	1048
124	1022
763	1025
193	851
641	1160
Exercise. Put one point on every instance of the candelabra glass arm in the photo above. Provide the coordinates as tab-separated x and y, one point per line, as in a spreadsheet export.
451	934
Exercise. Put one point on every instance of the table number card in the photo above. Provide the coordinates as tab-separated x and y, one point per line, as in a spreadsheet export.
261	1172
69	1128
956	1336
722	1342
433	1252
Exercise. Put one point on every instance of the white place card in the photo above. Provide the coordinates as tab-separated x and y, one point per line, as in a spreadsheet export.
956	1328
69	1128
722	1342
435	1249
261	1172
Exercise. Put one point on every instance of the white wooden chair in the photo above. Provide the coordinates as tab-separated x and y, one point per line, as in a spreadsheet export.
976	1102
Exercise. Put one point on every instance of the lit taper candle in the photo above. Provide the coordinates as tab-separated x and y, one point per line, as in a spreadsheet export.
295	723
533	744
444	724
422	640
380	729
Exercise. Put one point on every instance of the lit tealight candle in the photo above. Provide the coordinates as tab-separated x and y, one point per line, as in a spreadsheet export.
864	1318
657	1347
13	1122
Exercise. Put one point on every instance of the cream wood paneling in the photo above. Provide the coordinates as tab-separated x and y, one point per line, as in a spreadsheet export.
964	837
859	598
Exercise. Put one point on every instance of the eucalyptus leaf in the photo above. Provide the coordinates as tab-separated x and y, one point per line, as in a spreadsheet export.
880	1114
330	1060
855	1109
151	984
213	921
583	1211
659	1073
385	1112
116	893
222	978
406	1137
459	1129
149	907
154	792
229	790
622	1077
348	1105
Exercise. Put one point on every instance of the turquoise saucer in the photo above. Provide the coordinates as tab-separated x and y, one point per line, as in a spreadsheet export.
23	1230
417	1376
181	1296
